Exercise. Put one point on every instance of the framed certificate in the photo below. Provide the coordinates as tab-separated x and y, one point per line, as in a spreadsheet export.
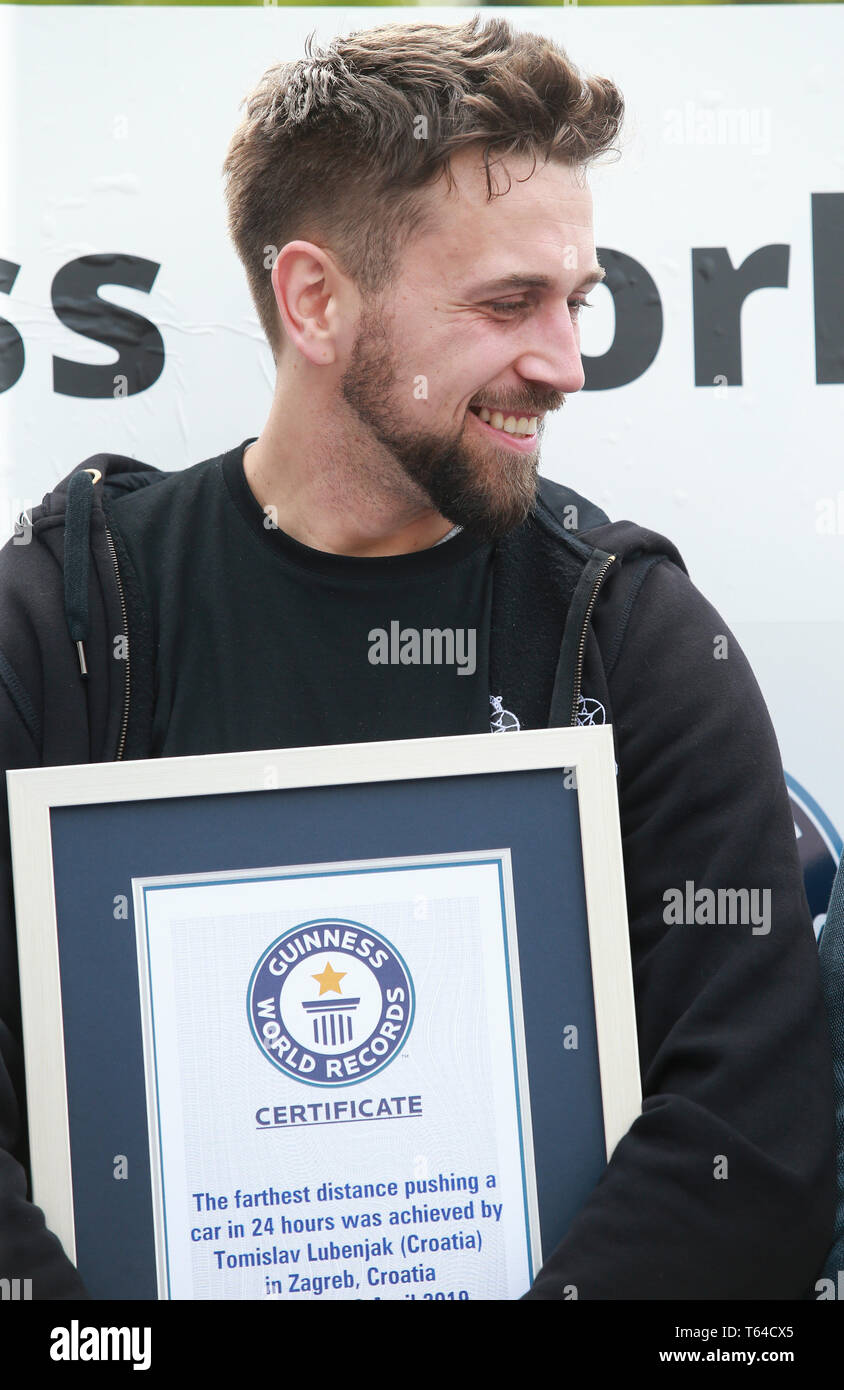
347	1022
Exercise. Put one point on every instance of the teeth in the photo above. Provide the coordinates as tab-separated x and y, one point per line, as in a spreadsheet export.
511	424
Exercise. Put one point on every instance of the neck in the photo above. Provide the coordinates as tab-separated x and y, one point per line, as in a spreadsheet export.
332	488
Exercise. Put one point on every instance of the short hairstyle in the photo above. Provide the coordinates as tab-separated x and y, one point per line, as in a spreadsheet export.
336	147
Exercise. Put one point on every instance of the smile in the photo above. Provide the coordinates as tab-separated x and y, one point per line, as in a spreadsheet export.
514	438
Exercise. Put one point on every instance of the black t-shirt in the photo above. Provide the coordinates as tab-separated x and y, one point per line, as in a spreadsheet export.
262	642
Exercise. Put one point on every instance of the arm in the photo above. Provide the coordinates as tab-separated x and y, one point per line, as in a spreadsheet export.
27	1249
734	1045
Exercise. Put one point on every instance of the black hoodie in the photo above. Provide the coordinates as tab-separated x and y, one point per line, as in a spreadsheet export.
590	620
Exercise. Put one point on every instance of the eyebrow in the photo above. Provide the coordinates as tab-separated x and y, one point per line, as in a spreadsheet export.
519	281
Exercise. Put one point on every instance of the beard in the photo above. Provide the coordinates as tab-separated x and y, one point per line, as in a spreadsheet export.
488	492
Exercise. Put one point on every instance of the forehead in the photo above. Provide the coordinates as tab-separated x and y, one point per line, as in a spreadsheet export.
541	224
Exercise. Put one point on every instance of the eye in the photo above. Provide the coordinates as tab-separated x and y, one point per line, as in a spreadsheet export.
512	306
516	306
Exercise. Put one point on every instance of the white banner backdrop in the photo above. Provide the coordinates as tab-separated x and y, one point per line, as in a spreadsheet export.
714	358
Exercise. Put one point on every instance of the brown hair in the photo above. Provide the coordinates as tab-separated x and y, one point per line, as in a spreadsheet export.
335	148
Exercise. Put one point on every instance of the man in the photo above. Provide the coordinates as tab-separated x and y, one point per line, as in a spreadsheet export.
423	327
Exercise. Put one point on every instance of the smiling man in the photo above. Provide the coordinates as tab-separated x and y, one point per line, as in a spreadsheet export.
439	402
384	560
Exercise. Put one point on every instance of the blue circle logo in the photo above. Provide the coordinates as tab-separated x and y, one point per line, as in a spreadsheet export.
330	1002
819	846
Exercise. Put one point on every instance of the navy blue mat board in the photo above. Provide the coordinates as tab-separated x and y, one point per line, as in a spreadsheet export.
98	849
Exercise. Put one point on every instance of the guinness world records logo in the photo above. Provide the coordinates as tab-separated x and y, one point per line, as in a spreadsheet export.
330	1002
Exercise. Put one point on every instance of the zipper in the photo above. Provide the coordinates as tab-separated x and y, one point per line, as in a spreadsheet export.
582	649
125	724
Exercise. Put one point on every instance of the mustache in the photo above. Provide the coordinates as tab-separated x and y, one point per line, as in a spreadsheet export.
521	407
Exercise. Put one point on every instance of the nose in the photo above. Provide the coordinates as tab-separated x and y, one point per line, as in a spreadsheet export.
549	351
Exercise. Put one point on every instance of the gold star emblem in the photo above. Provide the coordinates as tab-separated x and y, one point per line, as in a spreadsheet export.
329	979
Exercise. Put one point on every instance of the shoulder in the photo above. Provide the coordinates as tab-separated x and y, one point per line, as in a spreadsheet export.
635	588
616	556
567	507
559	506
155	525
161	494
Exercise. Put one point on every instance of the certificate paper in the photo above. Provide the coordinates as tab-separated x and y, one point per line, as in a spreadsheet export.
336	1081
